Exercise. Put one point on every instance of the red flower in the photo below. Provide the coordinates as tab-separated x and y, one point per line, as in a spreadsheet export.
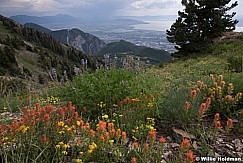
47	117
190	157
102	139
102	126
124	136
118	133
230	123
187	105
185	145
107	135
25	109
69	103
216	117
91	133
203	107
1	129
110	126
135	145
152	134
208	101
194	94
162	140
218	125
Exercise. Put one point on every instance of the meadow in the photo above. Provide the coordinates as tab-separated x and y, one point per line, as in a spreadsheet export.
129	116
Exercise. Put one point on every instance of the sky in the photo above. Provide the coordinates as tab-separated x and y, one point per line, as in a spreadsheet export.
95	8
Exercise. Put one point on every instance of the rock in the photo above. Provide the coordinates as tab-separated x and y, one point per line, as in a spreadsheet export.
238	145
168	139
163	161
230	147
239	154
220	140
194	145
166	154
178	135
174	145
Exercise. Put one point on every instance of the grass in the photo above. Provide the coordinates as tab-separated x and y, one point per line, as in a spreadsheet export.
111	109
3	31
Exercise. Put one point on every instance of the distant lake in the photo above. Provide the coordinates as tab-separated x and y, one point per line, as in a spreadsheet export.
157	25
163	25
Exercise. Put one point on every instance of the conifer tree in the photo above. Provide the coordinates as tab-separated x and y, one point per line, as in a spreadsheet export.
199	24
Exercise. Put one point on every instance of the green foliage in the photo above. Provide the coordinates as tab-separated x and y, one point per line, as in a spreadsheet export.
200	23
109	87
235	64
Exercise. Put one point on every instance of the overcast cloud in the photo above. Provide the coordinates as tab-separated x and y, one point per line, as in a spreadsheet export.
94	8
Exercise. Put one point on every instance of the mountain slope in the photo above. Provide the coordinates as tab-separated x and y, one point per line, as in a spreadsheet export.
38	27
85	42
122	48
30	55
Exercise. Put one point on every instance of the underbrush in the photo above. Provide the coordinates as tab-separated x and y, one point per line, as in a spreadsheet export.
123	116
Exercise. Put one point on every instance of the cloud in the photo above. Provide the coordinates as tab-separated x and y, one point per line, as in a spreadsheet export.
91	8
152	4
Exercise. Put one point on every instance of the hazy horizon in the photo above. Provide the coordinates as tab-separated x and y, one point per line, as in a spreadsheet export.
95	9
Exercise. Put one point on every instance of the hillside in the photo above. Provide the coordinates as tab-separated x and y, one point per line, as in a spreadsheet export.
146	54
32	56
38	27
85	42
187	108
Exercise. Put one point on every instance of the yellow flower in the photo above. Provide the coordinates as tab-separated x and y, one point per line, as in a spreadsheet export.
61	132
69	129
105	116
150	104
90	151
135	100
120	115
114	114
94	144
150	127
101	104
79	161
135	139
111	141
64	152
61	143
81	153
65	146
5	138
78	123
25	129
58	146
60	124
91	147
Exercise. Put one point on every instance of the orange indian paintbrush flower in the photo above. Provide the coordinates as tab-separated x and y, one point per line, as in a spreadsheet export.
230	123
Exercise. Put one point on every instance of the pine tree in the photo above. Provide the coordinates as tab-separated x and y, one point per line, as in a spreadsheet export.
199	24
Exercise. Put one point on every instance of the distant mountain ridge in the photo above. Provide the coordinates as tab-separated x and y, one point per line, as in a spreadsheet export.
60	18
85	42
